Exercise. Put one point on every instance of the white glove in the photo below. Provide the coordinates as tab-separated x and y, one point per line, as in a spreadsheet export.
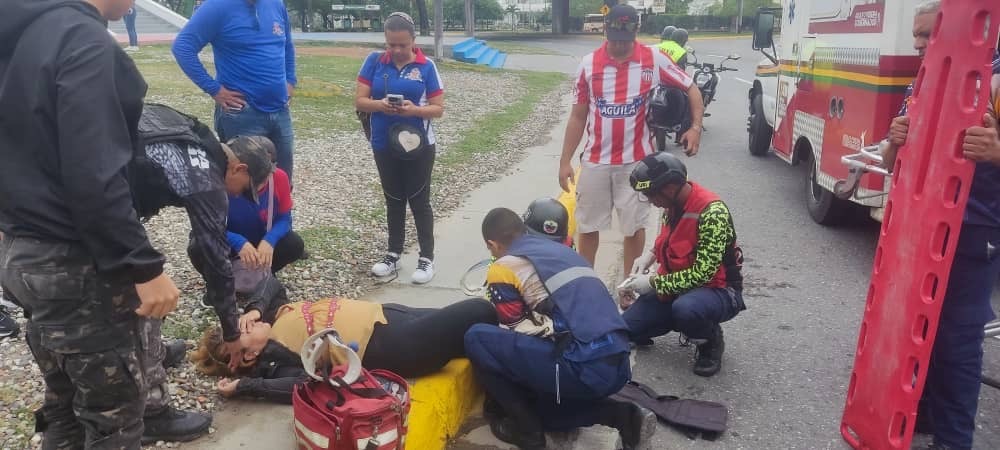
640	284
642	263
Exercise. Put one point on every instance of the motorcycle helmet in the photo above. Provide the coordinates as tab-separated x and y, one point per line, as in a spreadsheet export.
548	218
667	33
668	107
680	36
657	170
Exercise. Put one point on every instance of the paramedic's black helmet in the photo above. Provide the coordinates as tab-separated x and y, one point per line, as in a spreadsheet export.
680	36
548	218
657	170
667	33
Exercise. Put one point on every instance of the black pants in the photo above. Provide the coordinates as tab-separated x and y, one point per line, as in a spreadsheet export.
408	182
288	250
419	341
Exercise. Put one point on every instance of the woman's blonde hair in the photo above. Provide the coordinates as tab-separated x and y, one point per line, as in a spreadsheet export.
211	358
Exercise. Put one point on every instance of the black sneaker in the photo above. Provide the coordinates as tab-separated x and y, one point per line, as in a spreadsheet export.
175	351
173	425
8	327
936	446
507	431
708	361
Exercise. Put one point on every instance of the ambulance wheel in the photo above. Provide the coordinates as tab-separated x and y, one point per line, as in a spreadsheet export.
758	129
825	208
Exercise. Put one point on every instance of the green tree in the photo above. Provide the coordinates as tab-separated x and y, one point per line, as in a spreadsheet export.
677	6
730	8
454	10
580	8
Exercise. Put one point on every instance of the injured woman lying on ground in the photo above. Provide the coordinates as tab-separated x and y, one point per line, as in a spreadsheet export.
409	341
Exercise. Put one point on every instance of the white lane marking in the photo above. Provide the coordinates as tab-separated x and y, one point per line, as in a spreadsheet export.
742	80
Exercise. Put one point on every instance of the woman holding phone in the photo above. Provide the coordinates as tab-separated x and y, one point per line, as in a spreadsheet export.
402	91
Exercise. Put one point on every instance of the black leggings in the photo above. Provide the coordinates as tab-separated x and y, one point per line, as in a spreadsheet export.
408	182
419	341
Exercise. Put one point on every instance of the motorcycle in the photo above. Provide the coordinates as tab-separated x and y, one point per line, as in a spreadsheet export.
706	76
663	123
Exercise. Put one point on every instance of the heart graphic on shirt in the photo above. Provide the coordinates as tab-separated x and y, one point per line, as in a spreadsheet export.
409	141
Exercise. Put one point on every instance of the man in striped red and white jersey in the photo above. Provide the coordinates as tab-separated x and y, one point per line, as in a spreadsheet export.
612	89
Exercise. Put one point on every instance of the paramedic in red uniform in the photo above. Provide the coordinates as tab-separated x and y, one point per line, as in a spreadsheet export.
947	408
612	87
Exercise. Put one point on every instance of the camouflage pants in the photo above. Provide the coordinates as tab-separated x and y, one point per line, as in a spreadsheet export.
152	354
86	340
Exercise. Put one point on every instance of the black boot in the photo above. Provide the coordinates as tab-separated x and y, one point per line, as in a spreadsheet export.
507	430
172	425
709	358
175	351
634	423
492	409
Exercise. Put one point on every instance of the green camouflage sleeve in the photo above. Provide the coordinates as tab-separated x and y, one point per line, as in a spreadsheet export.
715	231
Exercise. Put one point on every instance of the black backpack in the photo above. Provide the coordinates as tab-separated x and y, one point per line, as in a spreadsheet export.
151	190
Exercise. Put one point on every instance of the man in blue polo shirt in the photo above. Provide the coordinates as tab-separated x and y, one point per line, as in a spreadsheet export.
255	68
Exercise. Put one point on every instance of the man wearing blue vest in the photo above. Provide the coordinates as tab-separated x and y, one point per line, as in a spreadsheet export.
561	347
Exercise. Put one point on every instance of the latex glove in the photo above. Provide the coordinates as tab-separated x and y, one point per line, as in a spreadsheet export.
641	284
643	262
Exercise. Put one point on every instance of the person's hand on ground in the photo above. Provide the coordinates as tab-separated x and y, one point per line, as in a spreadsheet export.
227	387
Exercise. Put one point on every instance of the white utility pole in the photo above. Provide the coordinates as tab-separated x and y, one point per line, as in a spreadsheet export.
439	29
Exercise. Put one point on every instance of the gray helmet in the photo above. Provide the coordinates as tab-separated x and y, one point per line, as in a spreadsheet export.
667	33
680	36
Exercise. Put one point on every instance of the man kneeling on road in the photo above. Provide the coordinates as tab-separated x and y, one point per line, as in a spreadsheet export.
699	283
561	348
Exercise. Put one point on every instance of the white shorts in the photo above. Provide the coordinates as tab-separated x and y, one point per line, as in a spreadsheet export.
603	188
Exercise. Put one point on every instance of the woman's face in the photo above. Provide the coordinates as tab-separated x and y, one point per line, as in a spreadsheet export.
254	341
399	44
237	178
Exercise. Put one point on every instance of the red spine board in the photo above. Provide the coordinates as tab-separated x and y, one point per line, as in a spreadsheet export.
920	229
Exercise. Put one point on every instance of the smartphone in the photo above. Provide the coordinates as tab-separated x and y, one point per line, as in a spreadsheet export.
395	99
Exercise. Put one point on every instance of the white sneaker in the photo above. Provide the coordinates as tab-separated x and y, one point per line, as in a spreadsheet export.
388	266
424	272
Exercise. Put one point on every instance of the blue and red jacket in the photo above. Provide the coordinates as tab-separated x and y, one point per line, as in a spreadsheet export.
248	219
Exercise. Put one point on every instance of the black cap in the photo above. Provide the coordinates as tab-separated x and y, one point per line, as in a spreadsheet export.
256	152
622	23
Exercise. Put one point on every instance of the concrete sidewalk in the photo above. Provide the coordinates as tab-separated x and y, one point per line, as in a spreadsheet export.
258	425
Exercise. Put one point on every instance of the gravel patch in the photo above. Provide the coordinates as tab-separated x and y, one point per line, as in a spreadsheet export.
340	210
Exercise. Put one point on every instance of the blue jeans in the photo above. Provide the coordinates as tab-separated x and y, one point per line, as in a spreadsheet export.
276	126
519	372
951	392
133	38
695	313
